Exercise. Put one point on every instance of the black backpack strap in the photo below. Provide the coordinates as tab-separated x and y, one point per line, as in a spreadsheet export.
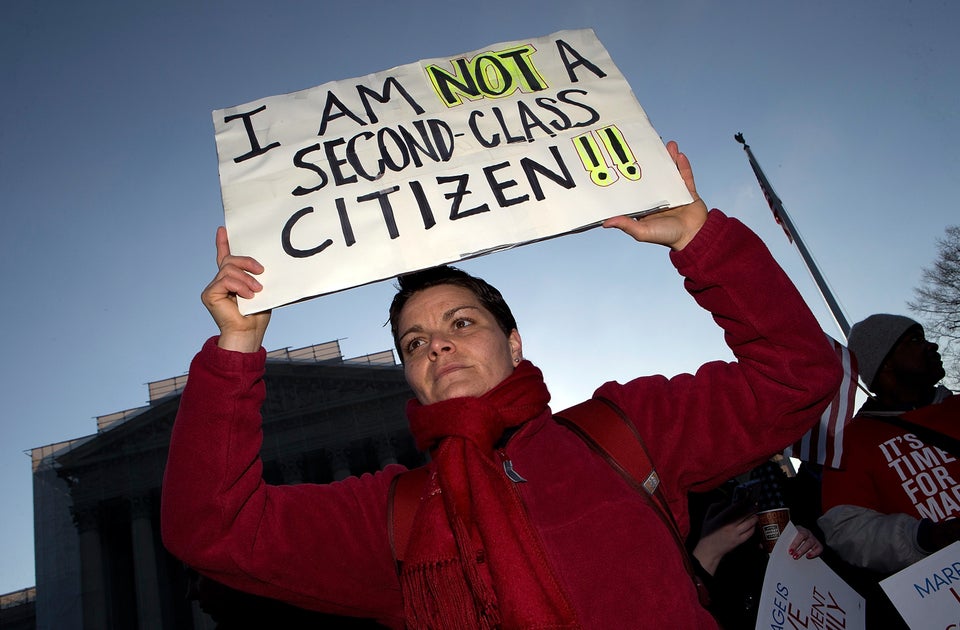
606	429
403	501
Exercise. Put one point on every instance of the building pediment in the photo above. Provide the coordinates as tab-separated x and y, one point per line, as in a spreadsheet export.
310	407
146	431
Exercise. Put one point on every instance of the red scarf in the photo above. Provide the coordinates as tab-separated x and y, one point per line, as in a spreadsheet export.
473	558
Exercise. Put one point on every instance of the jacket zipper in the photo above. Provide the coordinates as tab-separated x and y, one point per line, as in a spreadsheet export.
512	474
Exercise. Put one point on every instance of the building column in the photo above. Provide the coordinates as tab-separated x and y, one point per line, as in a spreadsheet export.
340	464
386	453
149	616
201	620
92	594
291	469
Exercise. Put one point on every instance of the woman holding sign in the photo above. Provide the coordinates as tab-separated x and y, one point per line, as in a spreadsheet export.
518	523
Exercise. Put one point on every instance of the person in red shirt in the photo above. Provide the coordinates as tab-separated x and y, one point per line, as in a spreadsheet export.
896	496
521	524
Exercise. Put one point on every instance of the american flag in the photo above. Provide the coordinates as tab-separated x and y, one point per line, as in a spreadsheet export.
823	444
776	206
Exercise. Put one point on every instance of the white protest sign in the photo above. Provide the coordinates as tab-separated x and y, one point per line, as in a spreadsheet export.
432	162
805	593
927	593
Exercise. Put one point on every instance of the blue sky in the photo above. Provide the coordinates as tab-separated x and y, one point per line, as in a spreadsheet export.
110	193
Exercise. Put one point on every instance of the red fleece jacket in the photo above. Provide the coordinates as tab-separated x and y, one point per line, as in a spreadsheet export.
325	547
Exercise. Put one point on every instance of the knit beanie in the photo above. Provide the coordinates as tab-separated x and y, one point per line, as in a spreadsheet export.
872	340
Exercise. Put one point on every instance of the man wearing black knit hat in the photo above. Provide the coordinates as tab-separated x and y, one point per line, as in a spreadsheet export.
896	497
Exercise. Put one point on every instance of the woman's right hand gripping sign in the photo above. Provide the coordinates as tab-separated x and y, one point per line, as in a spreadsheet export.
235	277
674	227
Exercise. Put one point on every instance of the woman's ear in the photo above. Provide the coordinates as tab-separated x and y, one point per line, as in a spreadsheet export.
516	346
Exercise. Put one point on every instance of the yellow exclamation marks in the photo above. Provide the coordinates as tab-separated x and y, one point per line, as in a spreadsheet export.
620	152
590	155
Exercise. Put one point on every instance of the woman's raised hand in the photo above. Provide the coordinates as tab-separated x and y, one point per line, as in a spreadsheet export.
235	277
674	227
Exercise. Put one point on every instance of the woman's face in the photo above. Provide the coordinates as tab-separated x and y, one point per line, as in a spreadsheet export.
452	346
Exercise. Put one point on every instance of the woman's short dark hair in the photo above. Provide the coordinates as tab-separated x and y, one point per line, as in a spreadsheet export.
411	283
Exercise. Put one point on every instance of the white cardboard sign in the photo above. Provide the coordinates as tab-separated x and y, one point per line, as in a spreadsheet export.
364	179
806	594
927	593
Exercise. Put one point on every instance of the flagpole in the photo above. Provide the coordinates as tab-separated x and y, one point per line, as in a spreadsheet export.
780	214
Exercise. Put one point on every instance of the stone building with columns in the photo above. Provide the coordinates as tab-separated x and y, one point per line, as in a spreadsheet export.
100	563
